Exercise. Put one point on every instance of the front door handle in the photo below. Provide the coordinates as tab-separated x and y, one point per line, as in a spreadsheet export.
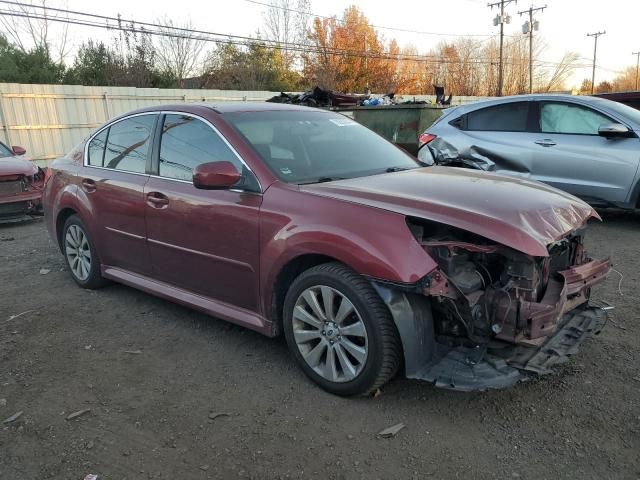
88	185
157	200
545	142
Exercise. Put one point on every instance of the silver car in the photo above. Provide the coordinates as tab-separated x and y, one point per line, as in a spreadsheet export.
586	146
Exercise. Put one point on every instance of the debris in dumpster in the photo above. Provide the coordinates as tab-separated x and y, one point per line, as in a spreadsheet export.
78	413
13	417
319	98
441	97
391	431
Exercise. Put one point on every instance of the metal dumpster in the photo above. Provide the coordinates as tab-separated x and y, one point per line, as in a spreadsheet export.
400	124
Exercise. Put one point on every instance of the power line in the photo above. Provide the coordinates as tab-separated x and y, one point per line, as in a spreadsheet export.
165	28
380	27
302	48
595	50
133	26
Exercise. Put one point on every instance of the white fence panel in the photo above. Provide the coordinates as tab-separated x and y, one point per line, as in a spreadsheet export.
49	120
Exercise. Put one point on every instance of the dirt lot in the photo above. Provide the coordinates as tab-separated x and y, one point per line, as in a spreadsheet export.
150	409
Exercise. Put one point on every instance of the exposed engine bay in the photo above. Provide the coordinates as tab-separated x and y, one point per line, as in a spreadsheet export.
485	290
497	312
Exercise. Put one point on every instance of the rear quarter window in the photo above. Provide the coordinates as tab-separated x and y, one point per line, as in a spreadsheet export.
95	152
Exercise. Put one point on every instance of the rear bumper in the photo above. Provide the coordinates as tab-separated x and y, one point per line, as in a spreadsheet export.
501	365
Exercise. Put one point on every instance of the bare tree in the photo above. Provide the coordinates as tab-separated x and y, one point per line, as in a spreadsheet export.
287	21
179	52
27	32
561	73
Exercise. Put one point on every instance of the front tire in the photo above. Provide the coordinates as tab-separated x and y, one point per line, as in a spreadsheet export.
80	254
340	332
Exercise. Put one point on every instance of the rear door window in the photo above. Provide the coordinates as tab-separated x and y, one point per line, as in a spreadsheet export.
508	117
556	117
188	142
128	143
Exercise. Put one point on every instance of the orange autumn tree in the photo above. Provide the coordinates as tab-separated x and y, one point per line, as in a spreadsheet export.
348	55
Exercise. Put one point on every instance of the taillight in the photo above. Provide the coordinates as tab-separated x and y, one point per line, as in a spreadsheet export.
425	138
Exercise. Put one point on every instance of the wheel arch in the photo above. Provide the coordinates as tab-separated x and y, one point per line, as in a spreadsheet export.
61	218
286	275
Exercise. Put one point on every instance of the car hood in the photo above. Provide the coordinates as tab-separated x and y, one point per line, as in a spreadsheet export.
521	214
17	166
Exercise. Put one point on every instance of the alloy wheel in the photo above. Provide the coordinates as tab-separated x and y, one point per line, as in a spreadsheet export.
330	333
78	252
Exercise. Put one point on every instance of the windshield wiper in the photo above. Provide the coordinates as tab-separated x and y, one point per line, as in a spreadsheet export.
322	180
396	169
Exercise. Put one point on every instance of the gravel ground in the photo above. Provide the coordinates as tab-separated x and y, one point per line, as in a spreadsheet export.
174	394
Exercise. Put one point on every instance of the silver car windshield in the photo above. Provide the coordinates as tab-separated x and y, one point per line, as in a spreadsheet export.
5	151
624	111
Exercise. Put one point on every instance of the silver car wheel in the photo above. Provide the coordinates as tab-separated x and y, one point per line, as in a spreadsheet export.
330	333
78	252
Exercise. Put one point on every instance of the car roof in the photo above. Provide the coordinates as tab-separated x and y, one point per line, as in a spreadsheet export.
227	107
581	99
230	107
200	108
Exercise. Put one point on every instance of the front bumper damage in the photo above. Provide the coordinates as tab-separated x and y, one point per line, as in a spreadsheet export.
552	331
485	368
20	198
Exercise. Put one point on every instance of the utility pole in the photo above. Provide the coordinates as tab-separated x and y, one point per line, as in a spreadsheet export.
529	28
501	19
595	50
637	54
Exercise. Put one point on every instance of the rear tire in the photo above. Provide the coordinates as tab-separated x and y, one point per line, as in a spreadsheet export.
80	254
340	332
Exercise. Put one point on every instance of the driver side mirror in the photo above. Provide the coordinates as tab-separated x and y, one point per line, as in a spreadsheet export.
425	155
215	175
613	130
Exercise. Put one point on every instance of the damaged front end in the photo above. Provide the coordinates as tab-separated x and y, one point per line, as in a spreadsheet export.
21	196
489	316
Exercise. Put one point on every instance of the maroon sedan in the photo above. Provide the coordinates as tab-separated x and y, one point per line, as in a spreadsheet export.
21	184
297	221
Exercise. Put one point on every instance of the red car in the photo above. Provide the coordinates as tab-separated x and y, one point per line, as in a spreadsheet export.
297	221
21	184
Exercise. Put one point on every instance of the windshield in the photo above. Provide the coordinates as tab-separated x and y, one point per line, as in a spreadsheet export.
317	146
5	151
624	111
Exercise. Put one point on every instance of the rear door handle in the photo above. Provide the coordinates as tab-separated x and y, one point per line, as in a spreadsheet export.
545	142
157	200
88	185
